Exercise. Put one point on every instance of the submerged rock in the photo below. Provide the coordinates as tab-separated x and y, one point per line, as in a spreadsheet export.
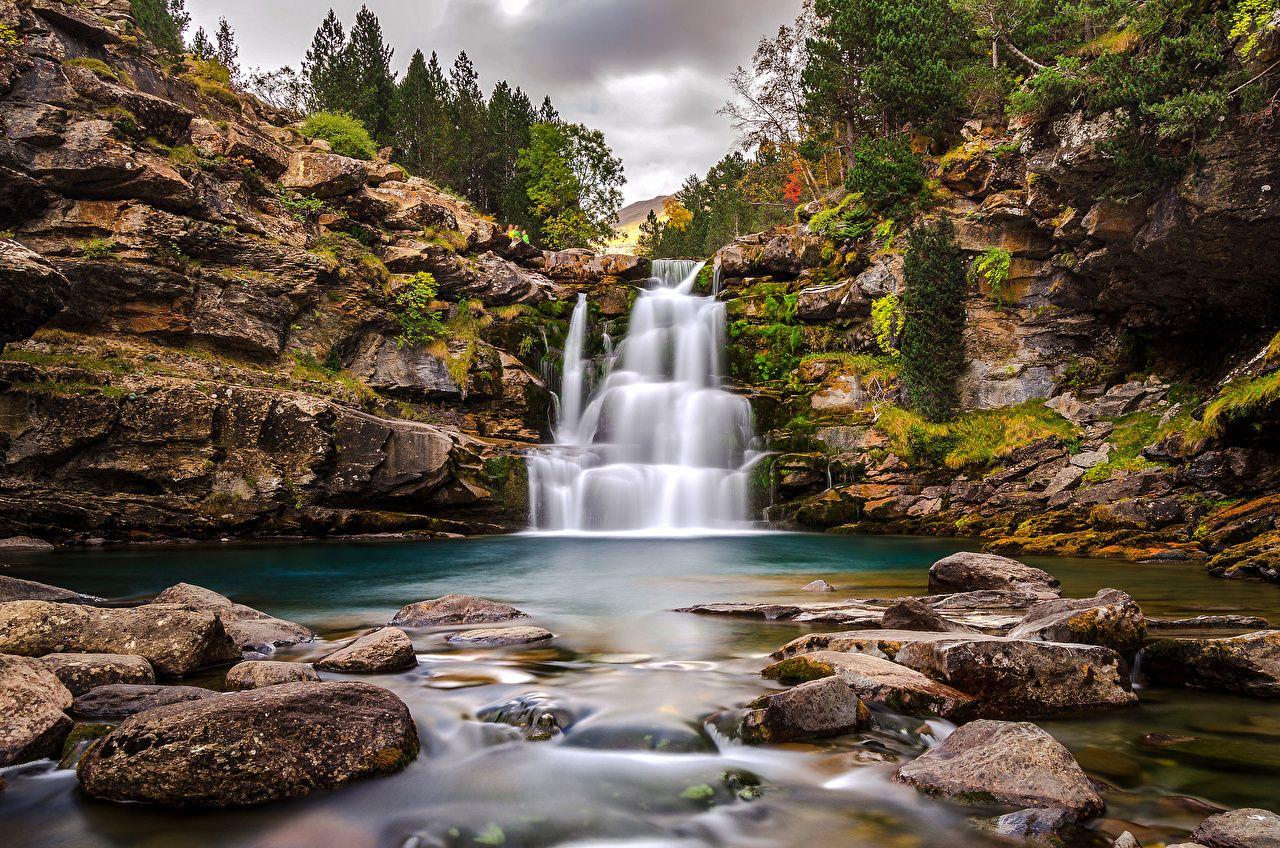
175	640
1247	828
32	721
249	628
248	748
883	643
965	572
1245	665
876	681
120	700
1031	823
1023	679
826	707
455	609
1004	764
14	589
255	674
1110	618
536	715
499	637
386	650
818	586
82	672
915	614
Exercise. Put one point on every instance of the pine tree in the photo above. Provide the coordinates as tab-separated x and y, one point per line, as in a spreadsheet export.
933	319
373	81
326	67
467	111
164	22
547	113
509	118
201	47
650	235
227	53
421	126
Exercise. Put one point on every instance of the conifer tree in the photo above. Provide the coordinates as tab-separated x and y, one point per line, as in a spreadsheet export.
201	47
227	53
468	112
933	318
373	83
422	128
326	67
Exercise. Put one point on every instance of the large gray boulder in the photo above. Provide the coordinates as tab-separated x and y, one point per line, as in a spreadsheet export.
915	614
382	651
175	640
819	708
1248	828
248	748
1111	618
876	681
121	700
1023	679
455	609
32	721
1004	764
250	629
1245	665
886	643
966	572
82	672
255	674
499	637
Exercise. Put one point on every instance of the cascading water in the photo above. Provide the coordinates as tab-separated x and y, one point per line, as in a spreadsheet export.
659	445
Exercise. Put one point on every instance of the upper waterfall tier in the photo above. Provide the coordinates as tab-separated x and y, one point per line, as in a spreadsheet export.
658	444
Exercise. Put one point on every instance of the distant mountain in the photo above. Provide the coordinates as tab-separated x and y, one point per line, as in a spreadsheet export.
629	220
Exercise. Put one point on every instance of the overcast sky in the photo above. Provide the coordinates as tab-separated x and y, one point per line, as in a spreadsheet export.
650	73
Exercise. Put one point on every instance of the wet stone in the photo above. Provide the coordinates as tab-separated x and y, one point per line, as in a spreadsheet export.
120	700
455	609
385	650
826	707
499	637
255	674
82	672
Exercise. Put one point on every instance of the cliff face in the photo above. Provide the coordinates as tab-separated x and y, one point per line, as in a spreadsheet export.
1121	390
200	318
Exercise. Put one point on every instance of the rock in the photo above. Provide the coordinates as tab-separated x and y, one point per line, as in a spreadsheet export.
250	629
818	586
31	292
1022	679
499	637
1247	828
1031	823
175	640
119	700
825	707
1245	665
32	700
253	747
385	650
1089	459
23	543
1126	840
998	763
883	643
876	681
323	175
82	672
1110	618
455	609
1209	622
255	674
915	614
963	572
14	589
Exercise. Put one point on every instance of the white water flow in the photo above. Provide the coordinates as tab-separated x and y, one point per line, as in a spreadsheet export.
659	446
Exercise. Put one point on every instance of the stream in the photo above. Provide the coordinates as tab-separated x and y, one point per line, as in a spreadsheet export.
633	682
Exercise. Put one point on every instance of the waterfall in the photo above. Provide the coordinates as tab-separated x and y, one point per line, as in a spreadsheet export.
658	445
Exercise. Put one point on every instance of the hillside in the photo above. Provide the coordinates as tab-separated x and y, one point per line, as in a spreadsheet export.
630	218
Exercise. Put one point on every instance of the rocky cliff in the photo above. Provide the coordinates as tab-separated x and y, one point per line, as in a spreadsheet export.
201	312
1122	391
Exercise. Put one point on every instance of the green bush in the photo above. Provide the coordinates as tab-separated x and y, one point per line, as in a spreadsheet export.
993	266
345	134
212	79
1051	90
846	221
300	207
97	248
419	322
933	318
887	173
886	323
162	20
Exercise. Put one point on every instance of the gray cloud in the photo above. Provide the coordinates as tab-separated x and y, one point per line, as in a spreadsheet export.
650	73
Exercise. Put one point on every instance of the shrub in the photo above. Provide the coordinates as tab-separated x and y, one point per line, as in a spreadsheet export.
845	221
97	67
300	207
933	318
886	323
993	266
212	79
97	248
419	322
345	134
887	173
8	38
162	21
1051	90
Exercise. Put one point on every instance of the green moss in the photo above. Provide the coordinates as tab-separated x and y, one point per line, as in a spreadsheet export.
1240	401
447	239
698	792
212	79
1132	434
974	440
97	248
97	67
50	388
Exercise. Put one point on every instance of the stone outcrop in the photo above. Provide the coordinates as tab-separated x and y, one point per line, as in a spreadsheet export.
82	672
16	589
825	707
455	609
996	763
1247	828
113	701
250	629
255	674
966	572
32	700
875	681
1111	618
175	640
248	748
1246	665
499	637
382	651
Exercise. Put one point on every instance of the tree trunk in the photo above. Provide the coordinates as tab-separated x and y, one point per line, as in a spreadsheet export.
995	54
1023	56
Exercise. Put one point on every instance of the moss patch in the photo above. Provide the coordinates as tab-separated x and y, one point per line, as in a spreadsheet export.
976	439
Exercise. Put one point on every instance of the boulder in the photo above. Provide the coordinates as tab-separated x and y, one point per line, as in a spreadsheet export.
818	586
1245	665
1004	764
1023	679
32	721
1247	828
175	640
120	700
82	672
915	614
24	543
882	643
255	674
965	572
875	681
249	628
323	175
1110	618
1031	823
385	650
253	747
825	707
498	637
31	291
14	589
455	609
